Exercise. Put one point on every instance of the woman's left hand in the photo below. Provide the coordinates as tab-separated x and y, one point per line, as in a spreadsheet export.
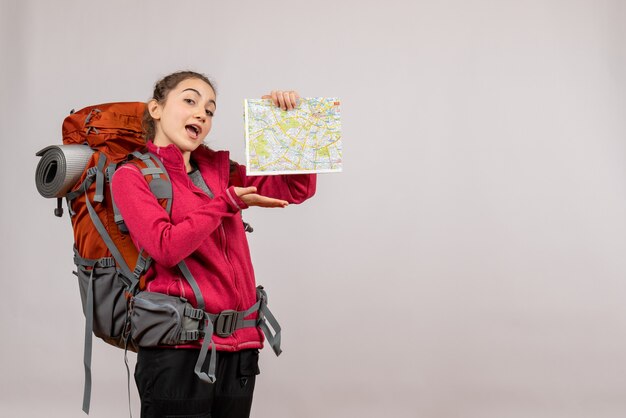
286	100
251	198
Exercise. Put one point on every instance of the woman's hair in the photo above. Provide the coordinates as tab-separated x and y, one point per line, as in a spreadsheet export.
161	90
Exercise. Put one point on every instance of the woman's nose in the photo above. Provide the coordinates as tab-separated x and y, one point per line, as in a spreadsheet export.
201	115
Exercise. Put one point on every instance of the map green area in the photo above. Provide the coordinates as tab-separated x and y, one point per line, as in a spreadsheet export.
306	139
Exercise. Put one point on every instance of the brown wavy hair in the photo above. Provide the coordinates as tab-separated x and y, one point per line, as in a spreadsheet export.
161	90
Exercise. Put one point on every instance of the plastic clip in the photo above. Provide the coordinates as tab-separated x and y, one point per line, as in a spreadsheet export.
226	322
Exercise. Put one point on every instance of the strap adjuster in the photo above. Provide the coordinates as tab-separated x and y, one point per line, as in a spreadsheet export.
139	268
190	335
192	313
226	322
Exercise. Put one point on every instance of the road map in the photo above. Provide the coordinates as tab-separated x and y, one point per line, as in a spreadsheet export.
306	139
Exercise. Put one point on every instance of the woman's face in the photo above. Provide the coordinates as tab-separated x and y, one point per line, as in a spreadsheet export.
185	118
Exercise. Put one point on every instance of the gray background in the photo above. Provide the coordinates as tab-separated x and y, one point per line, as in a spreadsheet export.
469	261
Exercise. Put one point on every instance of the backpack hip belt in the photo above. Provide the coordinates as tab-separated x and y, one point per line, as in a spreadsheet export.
157	319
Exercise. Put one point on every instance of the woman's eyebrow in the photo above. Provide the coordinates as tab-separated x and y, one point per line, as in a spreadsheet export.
194	90
198	93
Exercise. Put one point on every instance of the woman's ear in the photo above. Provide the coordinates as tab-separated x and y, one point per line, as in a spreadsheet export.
155	109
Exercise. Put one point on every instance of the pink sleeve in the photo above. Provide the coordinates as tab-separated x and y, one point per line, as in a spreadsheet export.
150	226
294	188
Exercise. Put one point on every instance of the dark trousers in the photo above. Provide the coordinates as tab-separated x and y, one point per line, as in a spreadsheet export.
168	386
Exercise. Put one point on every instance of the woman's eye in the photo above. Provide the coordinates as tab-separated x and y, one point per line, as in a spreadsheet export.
208	112
190	101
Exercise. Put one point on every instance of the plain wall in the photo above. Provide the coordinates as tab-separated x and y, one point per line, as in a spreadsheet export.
469	261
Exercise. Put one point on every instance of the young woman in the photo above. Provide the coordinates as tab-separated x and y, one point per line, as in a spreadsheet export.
205	229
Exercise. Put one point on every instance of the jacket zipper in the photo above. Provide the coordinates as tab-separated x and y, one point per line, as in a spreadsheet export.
223	180
230	264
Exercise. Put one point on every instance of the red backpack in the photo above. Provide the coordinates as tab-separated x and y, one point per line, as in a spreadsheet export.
97	140
108	265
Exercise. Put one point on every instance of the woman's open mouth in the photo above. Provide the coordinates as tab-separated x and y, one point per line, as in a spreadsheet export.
193	131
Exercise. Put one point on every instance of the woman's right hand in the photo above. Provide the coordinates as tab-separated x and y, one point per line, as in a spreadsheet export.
251	198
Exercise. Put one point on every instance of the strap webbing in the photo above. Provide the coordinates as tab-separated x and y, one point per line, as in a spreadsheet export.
117	217
192	282
89	310
88	344
207	376
141	156
89	179
126	339
151	167
69	206
109	242
234	321
168	206
99	196
265	316
89	262
143	262
155	171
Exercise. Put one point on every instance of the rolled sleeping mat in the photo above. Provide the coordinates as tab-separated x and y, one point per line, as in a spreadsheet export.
60	168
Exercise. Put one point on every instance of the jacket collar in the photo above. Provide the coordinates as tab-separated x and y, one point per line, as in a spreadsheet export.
172	157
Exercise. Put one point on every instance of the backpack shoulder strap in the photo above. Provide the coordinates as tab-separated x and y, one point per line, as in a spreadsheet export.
157	178
156	175
161	186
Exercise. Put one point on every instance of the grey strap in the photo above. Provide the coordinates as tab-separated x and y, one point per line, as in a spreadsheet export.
252	308
88	344
265	317
207	376
89	305
189	335
145	157
99	196
110	171
117	217
92	128
89	116
142	264
228	321
80	261
130	410
141	156
192	313
88	262
151	171
168	206
251	322
109	243
194	285
69	206
144	260
89	179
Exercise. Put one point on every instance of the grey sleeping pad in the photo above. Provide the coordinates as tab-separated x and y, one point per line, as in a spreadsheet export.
60	167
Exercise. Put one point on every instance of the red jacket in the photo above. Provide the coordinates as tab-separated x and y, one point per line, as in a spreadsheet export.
207	233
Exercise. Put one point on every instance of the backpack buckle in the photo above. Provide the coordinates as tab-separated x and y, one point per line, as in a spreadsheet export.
189	335
226	322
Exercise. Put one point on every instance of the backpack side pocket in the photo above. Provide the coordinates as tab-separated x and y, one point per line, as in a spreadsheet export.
109	302
157	319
